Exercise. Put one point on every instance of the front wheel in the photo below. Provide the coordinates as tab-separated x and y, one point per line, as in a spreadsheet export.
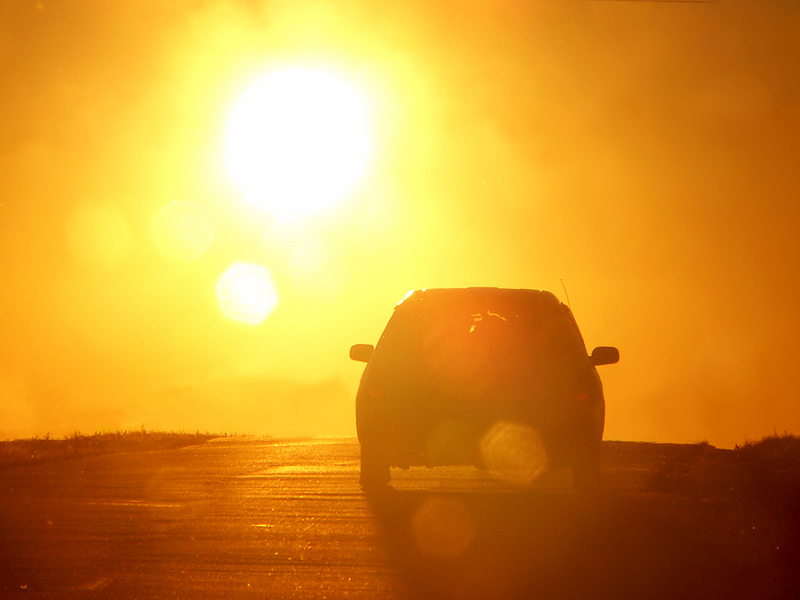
375	472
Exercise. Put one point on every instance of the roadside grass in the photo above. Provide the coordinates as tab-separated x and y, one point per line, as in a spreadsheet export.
770	473
34	450
783	449
759	470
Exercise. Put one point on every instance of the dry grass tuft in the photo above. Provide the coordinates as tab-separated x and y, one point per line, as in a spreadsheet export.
784	449
19	452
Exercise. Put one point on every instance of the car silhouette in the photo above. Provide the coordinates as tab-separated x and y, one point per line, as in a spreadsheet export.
496	378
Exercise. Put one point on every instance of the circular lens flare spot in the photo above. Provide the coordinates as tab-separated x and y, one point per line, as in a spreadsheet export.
513	452
443	527
183	230
297	141
246	293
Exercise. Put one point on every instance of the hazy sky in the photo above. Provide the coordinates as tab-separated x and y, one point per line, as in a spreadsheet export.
648	154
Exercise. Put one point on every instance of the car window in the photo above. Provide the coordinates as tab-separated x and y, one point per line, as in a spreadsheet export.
470	346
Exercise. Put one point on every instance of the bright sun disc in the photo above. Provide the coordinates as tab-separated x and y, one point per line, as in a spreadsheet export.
297	141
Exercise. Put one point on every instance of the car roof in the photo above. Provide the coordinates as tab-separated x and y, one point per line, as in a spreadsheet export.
481	294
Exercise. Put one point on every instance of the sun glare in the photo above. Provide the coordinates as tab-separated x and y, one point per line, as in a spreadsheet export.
246	293
297	141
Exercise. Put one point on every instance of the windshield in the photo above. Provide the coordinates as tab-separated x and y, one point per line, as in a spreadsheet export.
469	346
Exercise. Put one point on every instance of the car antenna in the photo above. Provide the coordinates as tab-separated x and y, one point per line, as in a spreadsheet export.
565	293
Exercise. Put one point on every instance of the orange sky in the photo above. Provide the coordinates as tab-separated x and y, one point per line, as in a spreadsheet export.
645	153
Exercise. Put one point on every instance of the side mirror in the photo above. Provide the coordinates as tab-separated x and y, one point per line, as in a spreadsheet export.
604	355
362	352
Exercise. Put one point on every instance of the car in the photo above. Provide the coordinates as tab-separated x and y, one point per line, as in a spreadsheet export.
495	378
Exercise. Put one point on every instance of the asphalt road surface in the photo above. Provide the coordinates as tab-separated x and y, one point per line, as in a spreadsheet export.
266	518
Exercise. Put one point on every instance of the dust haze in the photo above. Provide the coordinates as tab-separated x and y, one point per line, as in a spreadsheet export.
644	153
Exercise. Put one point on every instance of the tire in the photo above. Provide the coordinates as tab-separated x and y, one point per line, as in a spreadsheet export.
375	473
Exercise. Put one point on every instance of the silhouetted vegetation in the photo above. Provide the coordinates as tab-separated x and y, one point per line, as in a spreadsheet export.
766	467
775	448
769	468
18	452
769	472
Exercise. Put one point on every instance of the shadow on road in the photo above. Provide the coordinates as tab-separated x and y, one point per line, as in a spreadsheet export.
535	544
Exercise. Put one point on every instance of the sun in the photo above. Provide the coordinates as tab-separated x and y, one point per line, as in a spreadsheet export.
297	141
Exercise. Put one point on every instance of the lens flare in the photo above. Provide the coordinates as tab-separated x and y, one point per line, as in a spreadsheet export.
246	293
443	527
513	452
183	230
297	141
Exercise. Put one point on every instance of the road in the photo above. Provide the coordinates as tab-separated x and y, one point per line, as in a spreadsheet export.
269	518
